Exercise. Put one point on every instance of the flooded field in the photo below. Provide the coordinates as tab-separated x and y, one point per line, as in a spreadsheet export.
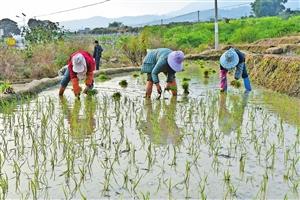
202	145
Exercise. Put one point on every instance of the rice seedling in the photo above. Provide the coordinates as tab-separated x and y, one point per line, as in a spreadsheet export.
235	83
206	74
92	92
41	155
116	96
185	86
135	75
123	83
185	79
103	77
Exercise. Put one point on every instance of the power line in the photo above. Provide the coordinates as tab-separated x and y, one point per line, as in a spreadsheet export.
71	9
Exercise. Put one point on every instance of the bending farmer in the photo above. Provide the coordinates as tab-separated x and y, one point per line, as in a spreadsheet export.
80	65
162	60
233	58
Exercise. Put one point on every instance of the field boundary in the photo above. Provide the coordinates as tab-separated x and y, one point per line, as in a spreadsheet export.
37	86
279	73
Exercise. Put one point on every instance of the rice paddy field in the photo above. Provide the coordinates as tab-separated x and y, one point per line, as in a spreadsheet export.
116	144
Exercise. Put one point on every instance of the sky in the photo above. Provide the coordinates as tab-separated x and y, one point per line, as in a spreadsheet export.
111	9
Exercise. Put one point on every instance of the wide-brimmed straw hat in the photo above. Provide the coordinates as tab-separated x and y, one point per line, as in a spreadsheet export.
229	59
175	60
79	63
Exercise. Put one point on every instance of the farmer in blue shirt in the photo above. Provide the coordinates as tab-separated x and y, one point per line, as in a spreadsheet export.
233	58
162	60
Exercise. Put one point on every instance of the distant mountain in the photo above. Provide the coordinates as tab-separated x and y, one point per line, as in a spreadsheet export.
225	4
227	9
206	15
98	21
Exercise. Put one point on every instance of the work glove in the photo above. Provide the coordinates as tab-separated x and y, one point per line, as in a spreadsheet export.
76	87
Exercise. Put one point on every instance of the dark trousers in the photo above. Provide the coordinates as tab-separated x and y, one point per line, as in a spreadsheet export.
97	63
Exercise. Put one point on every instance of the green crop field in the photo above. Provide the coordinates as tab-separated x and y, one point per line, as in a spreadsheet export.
235	31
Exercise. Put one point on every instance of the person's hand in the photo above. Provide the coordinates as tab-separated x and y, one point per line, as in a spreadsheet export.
77	91
159	91
86	89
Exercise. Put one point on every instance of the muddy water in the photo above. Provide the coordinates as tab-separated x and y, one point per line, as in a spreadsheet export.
206	144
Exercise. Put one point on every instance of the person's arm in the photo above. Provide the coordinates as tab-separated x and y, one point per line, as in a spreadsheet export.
156	70
74	80
91	66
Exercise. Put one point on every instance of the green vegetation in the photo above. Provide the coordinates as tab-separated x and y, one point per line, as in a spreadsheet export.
123	83
235	83
92	92
6	88
102	78
185	86
135	74
196	36
116	96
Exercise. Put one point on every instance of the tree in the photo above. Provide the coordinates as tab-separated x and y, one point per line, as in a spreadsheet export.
39	31
268	7
115	25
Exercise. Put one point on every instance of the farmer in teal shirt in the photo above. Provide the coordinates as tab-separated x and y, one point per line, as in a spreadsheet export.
162	60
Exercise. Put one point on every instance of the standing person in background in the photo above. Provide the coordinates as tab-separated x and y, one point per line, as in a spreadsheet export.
233	58
162	60
97	54
80	65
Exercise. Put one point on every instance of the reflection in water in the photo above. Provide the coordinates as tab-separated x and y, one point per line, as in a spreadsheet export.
231	113
80	125
160	123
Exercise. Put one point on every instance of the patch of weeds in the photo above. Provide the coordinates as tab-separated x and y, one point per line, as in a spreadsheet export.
116	96
6	88
235	83
103	77
123	83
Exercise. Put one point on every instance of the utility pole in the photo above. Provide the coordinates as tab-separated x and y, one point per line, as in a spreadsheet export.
23	19
198	12
216	26
161	22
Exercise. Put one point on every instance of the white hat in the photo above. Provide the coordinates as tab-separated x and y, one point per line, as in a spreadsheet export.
79	63
229	59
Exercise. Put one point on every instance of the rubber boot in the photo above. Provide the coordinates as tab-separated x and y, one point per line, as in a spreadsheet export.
223	80
149	86
247	84
61	91
172	86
